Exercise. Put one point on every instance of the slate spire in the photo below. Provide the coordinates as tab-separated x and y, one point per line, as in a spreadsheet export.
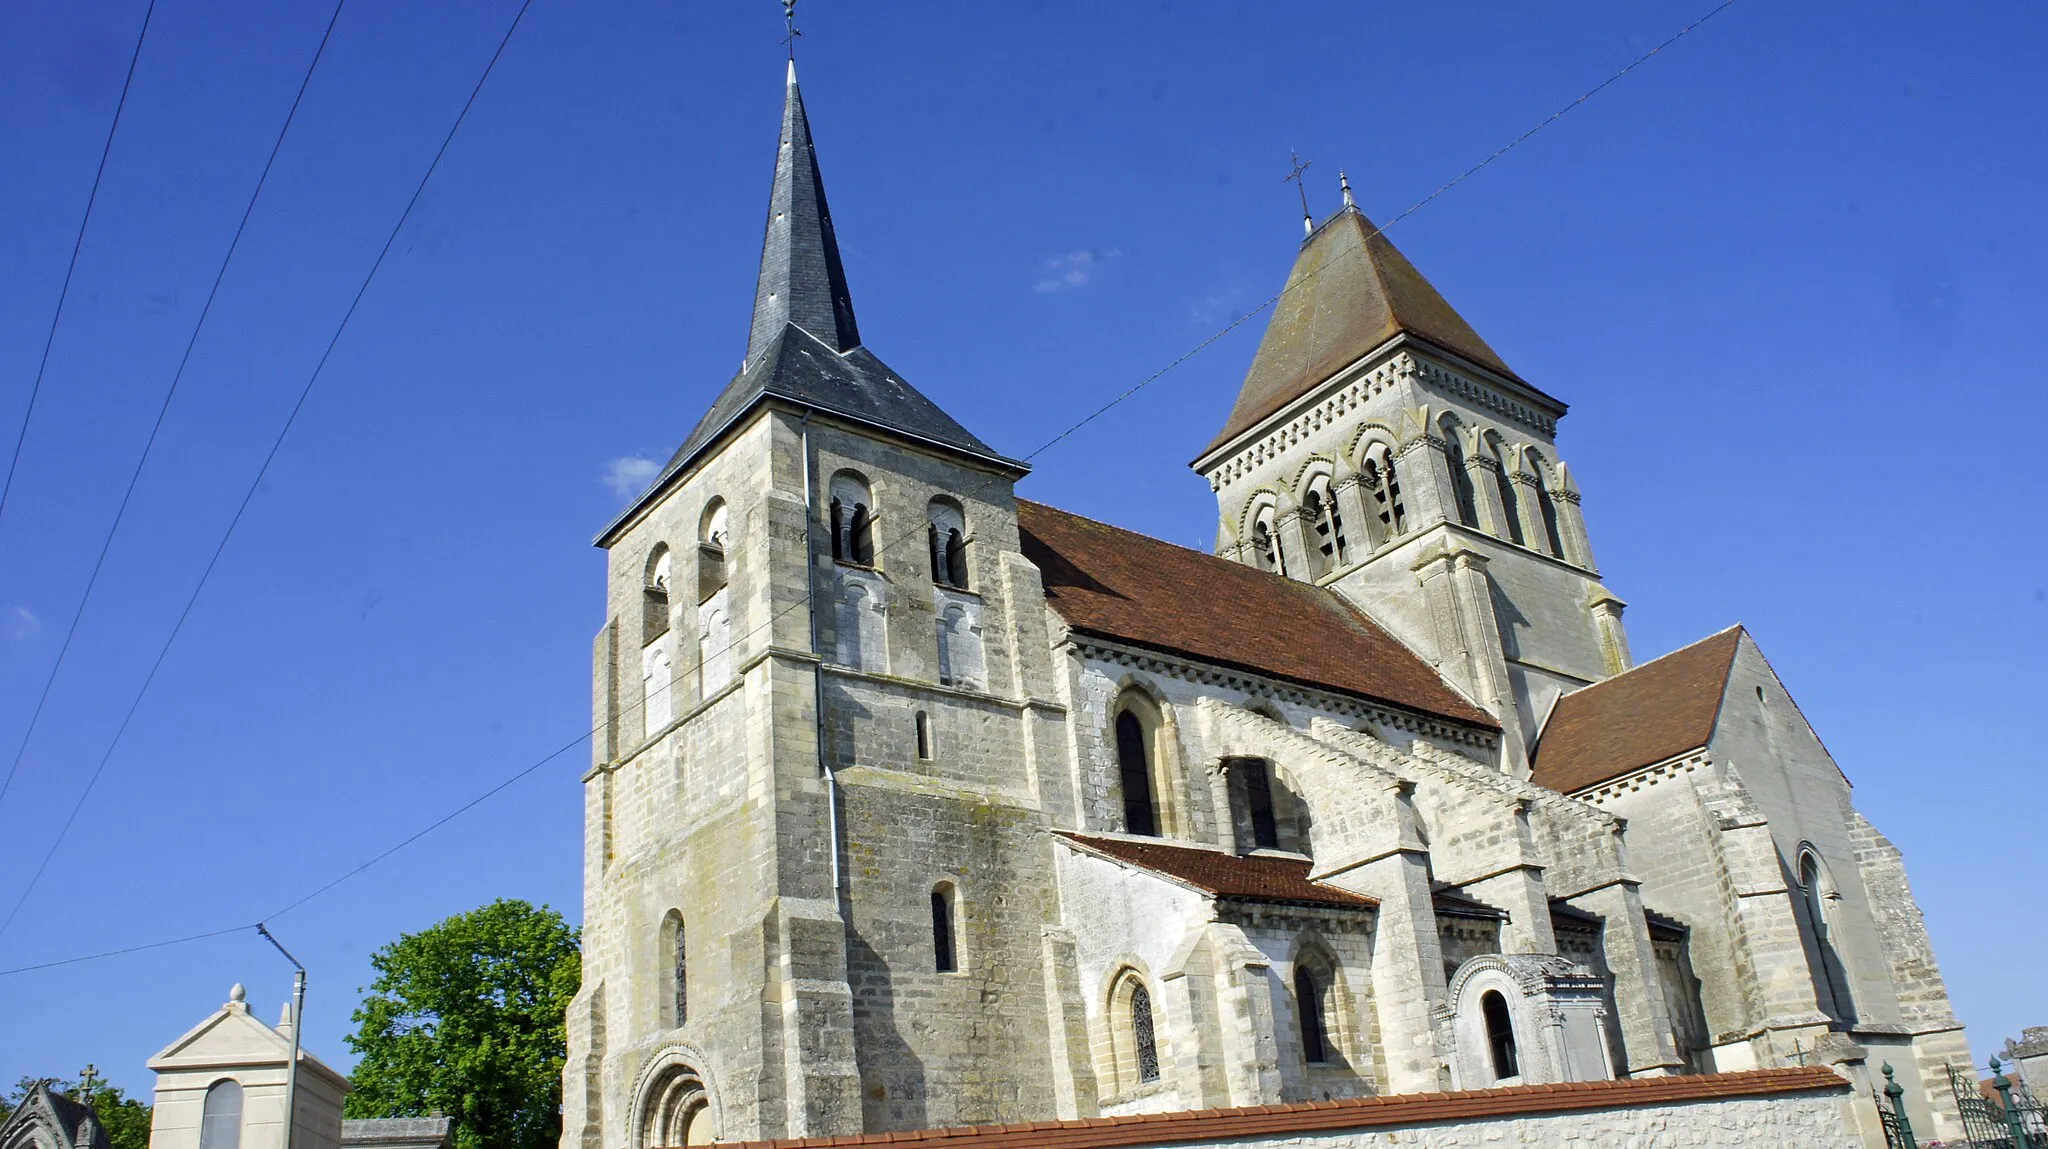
802	279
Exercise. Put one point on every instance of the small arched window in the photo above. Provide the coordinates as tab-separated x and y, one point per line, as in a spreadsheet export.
924	736
1134	766
1258	800
714	531
1510	508
1144	1042
945	951
947	536
1461	476
220	1117
1326	527
1308	1003
852	511
1500	1035
1266	543
675	955
1389	515
654	609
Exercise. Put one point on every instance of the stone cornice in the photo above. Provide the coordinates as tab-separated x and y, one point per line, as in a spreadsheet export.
1649	775
1385	715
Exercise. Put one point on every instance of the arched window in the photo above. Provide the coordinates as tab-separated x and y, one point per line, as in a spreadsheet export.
1142	1037
1461	478
1258	801
1817	896
1266	543
1500	1035
945	956
947	536
220	1117
1546	504
1389	516
1134	764
654	619
852	510
1510	509
676	954
1326	527
924	736
961	660
1308	1004
713	533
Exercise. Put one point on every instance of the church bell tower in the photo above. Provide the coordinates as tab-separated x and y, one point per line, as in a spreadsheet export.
1379	444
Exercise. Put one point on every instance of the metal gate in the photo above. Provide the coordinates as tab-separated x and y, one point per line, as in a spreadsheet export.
2010	1119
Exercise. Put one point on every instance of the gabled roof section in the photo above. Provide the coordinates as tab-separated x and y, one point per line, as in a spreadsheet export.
1350	292
1250	878
1118	584
1656	711
46	1117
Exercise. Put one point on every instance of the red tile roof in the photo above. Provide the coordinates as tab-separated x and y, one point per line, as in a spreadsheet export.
1653	712
1254	877
1399	1110
1122	585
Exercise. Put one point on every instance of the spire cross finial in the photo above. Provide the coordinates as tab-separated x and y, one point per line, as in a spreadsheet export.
789	18
1294	177
88	1079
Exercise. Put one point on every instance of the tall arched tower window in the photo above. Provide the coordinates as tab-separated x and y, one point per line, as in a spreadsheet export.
654	620
1134	766
1326	539
852	511
1461	478
714	601
714	532
1547	505
220	1116
1383	492
1509	508
1266	543
947	536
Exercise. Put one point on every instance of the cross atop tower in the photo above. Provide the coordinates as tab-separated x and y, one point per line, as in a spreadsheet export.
1294	177
789	18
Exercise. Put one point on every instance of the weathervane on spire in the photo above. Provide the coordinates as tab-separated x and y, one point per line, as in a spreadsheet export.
789	18
1293	177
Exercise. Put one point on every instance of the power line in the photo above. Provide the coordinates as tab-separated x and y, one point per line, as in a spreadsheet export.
177	377
257	481
78	244
807	600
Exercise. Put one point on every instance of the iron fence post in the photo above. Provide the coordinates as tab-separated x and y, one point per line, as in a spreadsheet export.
1896	1095
2013	1122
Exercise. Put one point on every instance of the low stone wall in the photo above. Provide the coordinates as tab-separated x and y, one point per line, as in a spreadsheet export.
1808	1108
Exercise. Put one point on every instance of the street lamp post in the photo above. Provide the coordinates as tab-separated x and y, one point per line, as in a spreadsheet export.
291	1075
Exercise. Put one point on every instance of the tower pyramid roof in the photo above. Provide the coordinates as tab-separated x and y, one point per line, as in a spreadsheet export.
804	347
1350	292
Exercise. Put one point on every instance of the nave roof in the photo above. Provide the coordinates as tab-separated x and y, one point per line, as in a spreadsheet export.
1638	718
1118	584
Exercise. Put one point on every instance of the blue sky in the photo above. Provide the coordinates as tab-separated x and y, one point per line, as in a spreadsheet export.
1786	273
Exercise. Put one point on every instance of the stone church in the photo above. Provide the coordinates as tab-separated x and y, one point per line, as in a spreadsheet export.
915	803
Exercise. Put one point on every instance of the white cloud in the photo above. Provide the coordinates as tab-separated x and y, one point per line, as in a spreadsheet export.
1074	269
22	623
1220	306
631	474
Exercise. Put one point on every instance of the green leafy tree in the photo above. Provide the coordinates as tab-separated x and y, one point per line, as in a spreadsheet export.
125	1119
466	1018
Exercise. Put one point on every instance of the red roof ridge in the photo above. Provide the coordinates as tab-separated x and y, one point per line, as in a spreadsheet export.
1377	1111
